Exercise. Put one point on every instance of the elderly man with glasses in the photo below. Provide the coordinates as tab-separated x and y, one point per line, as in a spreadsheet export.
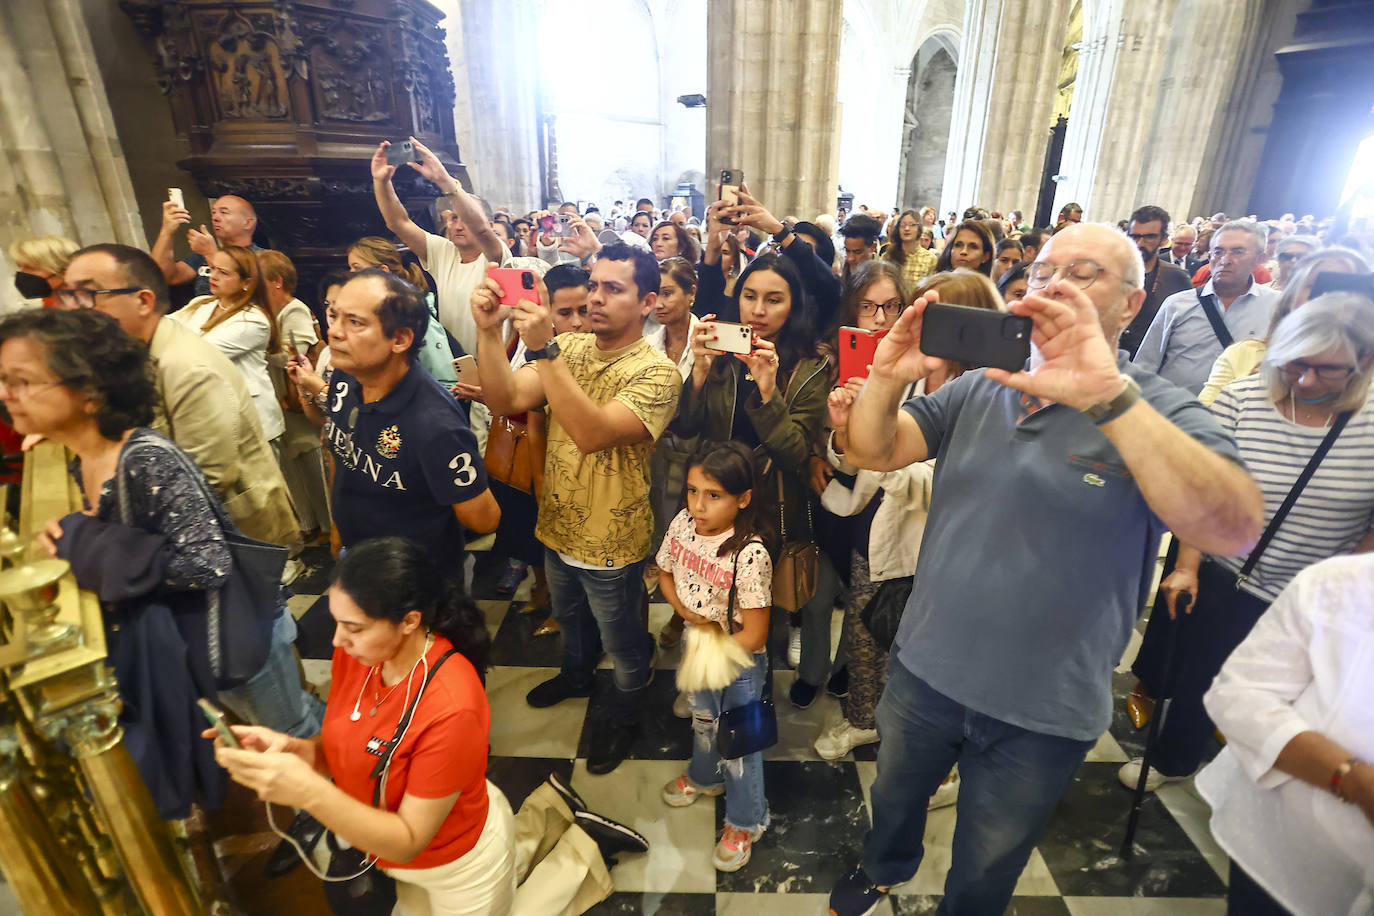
1065	474
1194	326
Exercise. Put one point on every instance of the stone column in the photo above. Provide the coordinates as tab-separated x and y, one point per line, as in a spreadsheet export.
771	100
1199	68
502	74
62	171
1114	100
1003	99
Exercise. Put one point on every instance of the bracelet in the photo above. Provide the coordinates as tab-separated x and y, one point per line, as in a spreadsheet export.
1338	777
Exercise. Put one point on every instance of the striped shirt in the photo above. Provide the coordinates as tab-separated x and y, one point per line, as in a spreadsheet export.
1336	507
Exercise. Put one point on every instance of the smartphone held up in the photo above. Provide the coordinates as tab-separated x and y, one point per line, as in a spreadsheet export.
977	338
730	182
401	152
731	337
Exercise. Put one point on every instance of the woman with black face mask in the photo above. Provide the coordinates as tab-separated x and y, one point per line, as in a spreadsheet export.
41	262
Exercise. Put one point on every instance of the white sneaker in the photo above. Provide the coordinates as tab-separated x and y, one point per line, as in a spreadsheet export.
1129	774
947	794
682	706
843	737
794	646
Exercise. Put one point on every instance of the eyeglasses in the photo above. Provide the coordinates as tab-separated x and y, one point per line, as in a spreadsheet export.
21	388
85	298
1144	236
1327	372
891	308
1081	274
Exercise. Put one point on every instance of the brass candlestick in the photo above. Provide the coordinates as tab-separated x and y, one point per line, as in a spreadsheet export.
31	591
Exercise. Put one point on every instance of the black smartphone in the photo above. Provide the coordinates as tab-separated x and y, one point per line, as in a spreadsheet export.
401	153
976	337
1329	281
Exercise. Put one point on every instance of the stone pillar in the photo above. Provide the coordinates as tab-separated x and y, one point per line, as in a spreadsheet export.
1117	88
1199	68
1003	100
62	170
771	100
502	75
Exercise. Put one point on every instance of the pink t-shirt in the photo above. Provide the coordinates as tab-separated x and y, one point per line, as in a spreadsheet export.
703	579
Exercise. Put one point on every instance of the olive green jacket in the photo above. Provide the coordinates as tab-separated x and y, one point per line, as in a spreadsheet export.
787	426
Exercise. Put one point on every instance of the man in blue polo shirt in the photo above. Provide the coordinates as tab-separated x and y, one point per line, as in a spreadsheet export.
1063	475
405	462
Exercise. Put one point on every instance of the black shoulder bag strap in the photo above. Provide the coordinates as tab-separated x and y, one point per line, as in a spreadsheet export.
730	616
401	726
1209	306
1272	528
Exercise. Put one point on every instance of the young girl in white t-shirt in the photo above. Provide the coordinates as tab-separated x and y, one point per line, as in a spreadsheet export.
715	542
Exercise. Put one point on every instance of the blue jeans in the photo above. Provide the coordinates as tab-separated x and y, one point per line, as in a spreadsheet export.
598	608
1011	780
746	807
274	696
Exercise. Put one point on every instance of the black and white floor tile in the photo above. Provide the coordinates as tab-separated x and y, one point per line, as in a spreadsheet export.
819	808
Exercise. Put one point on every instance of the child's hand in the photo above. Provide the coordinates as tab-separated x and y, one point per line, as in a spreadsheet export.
693	618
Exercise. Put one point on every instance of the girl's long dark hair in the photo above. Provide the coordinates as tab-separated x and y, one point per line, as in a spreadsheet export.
390	577
797	339
731	464
984	237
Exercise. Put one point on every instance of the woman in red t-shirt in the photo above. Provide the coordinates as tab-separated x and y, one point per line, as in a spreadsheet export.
442	832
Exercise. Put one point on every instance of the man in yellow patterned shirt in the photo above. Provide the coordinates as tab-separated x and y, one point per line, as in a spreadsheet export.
610	396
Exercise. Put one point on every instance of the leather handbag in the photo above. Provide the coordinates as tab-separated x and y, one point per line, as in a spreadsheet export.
794	573
354	886
752	727
515	453
241	613
883	613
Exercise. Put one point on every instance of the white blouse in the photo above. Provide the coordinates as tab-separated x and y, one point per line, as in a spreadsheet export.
657	336
1308	665
243	339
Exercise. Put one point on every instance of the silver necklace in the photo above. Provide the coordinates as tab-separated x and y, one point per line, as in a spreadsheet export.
1293	409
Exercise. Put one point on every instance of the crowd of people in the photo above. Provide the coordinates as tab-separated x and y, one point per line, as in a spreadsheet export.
656	410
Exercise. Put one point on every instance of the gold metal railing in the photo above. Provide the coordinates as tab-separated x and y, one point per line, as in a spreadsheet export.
79	833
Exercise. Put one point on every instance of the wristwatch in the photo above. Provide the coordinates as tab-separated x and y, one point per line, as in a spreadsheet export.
551	350
783	233
1106	411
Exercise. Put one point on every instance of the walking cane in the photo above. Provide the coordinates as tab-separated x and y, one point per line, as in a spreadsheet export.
1156	722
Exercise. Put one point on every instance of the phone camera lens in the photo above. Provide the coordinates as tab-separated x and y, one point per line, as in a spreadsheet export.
527	281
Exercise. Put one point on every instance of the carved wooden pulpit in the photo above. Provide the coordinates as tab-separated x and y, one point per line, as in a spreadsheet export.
283	103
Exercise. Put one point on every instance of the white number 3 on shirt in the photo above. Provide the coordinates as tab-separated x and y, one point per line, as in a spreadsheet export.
467	474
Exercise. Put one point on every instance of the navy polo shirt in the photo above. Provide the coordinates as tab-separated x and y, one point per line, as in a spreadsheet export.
1038	552
401	463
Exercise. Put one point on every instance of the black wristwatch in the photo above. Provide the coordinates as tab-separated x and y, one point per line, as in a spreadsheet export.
550	350
782	233
1107	411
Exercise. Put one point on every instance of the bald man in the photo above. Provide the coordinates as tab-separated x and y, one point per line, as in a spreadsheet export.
1065	474
232	220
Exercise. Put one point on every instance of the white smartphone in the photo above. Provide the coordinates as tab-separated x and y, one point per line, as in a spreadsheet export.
731	337
465	370
176	197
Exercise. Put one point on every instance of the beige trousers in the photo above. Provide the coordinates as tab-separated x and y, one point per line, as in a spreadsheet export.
537	863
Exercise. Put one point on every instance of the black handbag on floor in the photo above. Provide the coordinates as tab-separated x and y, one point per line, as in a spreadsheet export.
883	613
373	892
241	613
754	726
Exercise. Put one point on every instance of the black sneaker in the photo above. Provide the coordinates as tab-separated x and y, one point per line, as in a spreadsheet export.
566	792
306	831
554	691
802	694
838	685
855	895
610	748
611	838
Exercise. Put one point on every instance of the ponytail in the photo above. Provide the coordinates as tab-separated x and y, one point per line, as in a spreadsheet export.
378	252
389	577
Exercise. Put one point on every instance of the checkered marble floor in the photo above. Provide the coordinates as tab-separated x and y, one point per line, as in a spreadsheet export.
820	809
